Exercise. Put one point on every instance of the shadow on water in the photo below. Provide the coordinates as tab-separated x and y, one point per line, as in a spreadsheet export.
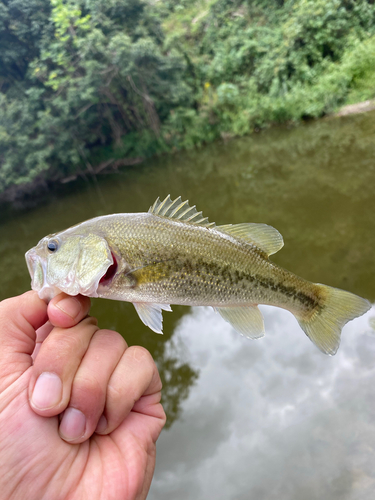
269	419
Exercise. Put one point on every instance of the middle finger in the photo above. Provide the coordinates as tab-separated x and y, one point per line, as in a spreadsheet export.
90	386
55	366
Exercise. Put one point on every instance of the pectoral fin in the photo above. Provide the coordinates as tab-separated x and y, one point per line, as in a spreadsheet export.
151	314
246	320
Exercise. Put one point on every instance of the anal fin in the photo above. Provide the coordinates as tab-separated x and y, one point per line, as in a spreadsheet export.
246	320
151	314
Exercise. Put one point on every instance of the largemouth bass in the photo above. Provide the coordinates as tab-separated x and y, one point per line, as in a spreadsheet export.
174	255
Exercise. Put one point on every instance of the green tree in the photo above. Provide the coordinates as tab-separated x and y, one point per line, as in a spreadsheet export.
86	82
96	75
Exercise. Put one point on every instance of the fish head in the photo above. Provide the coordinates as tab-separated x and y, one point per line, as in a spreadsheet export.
72	261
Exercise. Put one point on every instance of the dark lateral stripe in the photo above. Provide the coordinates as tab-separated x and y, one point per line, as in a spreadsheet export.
289	291
234	276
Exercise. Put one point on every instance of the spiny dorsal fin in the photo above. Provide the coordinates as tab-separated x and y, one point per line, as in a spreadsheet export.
265	237
179	210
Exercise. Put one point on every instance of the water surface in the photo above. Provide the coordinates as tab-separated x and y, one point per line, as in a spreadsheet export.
267	419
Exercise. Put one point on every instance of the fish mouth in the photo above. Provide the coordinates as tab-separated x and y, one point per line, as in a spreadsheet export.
37	270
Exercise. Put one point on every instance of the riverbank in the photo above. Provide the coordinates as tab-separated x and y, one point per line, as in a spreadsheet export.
30	194
359	107
96	89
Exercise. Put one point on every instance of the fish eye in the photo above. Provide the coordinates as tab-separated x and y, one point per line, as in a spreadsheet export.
53	245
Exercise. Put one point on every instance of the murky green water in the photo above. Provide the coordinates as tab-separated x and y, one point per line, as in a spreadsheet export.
268	419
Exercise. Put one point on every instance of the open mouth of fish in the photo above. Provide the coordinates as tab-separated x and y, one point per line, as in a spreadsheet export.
47	289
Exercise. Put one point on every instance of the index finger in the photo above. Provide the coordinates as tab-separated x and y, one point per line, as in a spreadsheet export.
19	318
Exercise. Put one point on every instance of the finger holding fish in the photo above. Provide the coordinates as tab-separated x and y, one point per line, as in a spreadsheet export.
65	311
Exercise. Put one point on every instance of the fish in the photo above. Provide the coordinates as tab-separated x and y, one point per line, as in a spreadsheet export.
172	254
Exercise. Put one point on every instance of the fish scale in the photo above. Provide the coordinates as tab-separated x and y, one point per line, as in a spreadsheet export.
173	255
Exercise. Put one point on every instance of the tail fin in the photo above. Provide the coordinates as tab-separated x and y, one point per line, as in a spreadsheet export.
338	307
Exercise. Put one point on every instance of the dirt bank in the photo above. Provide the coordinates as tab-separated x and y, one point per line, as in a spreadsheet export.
359	107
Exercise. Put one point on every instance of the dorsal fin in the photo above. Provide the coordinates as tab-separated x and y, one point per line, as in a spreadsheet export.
265	237
179	210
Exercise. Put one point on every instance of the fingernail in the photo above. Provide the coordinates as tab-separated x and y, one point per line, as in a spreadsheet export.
102	424
73	424
47	391
69	306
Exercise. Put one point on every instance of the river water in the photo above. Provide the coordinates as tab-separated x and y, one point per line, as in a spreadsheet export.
268	419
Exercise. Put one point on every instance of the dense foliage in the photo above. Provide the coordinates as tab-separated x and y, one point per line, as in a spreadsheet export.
91	84
252	63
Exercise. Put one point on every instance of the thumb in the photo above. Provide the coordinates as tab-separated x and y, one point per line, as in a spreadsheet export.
19	318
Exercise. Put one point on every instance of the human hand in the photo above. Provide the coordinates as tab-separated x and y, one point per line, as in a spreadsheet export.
90	436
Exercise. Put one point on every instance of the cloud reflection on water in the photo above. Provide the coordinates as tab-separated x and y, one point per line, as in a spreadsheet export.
271	419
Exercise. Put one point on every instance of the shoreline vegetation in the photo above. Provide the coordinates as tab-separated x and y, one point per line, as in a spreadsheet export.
90	87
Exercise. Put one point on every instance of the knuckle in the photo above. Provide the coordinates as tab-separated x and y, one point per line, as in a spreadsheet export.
87	394
140	354
121	397
115	393
143	361
5	303
71	343
109	339
64	344
88	384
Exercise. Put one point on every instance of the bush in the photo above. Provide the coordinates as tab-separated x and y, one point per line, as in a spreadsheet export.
85	81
